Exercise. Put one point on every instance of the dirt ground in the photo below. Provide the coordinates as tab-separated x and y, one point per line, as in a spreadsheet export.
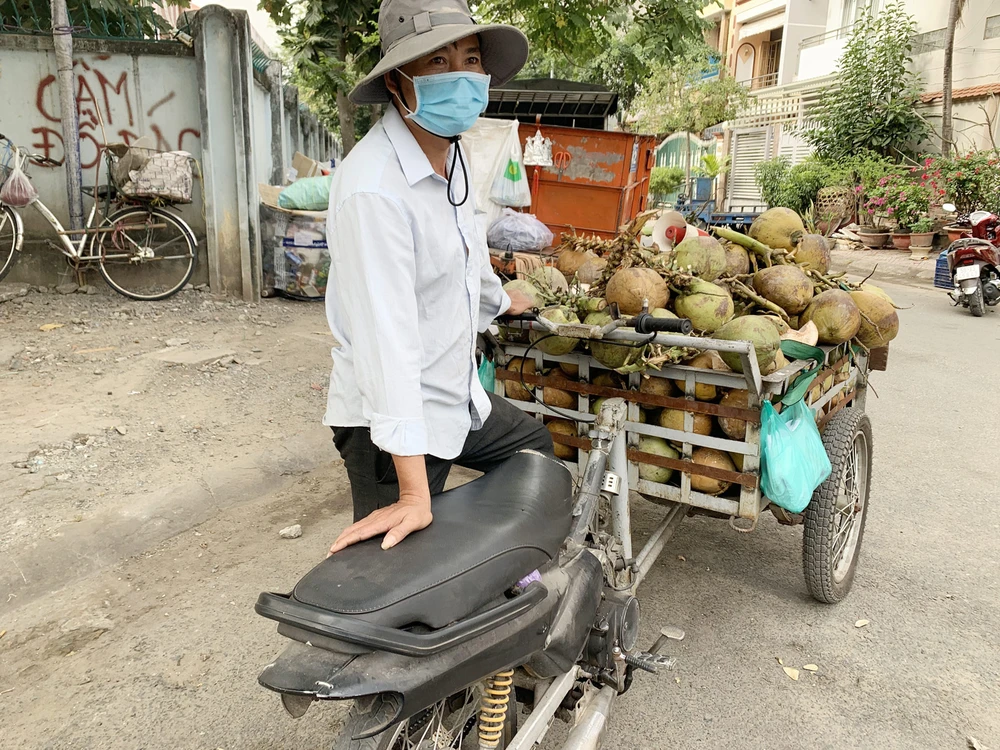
159	647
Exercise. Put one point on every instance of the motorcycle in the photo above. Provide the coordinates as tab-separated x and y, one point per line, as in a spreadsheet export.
974	262
522	591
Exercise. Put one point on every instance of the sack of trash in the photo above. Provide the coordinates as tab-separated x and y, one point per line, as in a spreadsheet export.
307	194
518	232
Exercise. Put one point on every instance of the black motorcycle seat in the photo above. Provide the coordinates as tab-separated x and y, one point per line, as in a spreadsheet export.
486	535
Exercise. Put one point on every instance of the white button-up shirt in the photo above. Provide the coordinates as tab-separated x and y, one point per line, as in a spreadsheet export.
410	286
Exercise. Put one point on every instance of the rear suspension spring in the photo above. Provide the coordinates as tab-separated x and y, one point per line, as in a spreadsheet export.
493	707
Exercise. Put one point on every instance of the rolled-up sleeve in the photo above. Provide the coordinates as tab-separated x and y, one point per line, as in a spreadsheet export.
375	276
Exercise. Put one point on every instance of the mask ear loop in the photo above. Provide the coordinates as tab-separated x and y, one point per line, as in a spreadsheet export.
457	157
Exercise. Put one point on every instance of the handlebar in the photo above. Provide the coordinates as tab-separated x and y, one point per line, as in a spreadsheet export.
646	323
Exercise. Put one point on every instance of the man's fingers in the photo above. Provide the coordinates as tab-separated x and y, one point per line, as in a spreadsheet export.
399	532
363	529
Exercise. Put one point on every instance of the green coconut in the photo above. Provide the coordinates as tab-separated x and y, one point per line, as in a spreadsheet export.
813	253
662	312
548	277
526	288
611	354
700	256
737	259
631	287
778	228
758	331
879	322
878	291
658	447
556	346
708	306
786	286
836	316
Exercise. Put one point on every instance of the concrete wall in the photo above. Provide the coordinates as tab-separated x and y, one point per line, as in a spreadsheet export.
180	97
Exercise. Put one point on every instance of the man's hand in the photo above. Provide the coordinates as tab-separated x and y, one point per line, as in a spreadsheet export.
409	513
519	303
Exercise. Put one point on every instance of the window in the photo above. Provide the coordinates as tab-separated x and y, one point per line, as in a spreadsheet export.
929	41
992	28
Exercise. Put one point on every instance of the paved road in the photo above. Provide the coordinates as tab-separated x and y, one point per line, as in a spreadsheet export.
162	651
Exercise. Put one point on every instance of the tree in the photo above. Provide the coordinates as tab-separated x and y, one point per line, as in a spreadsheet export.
331	44
954	16
872	104
127	19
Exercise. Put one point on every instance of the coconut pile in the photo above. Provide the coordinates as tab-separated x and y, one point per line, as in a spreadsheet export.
773	283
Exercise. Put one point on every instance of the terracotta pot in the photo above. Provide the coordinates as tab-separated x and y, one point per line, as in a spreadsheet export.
873	240
901	240
922	239
955	233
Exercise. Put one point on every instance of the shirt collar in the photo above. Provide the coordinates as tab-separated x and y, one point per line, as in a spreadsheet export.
416	166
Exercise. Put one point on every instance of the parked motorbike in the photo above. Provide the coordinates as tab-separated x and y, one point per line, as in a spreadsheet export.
974	262
522	591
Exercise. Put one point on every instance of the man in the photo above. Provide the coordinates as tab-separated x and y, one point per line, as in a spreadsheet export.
410	277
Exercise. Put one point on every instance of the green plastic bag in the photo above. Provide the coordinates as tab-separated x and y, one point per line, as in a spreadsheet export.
488	375
307	194
793	460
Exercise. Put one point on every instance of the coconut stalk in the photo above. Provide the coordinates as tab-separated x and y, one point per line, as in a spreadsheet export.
767	254
746	292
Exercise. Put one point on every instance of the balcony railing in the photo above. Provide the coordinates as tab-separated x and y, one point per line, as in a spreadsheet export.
814	41
761	82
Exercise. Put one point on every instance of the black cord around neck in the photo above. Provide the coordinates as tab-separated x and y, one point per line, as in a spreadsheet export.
457	157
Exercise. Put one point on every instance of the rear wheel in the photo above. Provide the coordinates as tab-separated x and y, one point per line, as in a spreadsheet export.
835	519
148	255
977	305
9	237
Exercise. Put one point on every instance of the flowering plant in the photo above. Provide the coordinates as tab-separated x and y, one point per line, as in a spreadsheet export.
971	181
923	226
899	199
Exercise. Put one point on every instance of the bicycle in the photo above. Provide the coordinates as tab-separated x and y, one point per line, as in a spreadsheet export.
143	251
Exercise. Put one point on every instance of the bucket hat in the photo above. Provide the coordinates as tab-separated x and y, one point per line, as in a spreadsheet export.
411	29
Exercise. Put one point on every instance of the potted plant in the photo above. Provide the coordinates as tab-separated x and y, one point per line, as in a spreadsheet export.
921	234
903	201
971	182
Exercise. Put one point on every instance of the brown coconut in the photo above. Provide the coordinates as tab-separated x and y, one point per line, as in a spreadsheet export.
708	306
786	286
570	261
813	253
569	369
778	228
606	380
703	361
733	427
563	427
513	388
700	256
737	259
758	331
630	287
716	459
656	386
591	271
879	322
558	397
673	419
779	362
836	316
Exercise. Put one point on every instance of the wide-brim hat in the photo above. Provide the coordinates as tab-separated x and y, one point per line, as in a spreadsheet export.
411	29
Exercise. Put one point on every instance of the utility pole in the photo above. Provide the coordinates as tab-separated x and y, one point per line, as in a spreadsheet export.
62	40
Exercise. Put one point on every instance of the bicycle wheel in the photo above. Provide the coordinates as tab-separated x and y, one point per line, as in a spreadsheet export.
149	254
10	239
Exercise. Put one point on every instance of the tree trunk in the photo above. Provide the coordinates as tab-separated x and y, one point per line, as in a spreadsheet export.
62	41
954	14
687	170
345	111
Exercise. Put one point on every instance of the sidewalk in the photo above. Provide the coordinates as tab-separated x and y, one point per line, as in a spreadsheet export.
887	265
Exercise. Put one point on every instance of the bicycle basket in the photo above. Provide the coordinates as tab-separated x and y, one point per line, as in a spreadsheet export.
145	173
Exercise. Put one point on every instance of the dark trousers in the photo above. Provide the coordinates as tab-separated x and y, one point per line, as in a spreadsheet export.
373	475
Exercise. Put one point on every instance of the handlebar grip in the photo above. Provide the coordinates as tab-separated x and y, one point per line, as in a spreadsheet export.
526	317
646	323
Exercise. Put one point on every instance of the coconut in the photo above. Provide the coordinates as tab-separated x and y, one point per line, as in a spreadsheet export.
716	459
878	291
786	286
836	316
758	331
526	288
733	427
703	361
700	256
778	228
658	447
737	460
813	253
591	271
737	259
558	397
630	287
556	345
570	261
611	354
879	322
706	305
606	380
779	362
513	388
570	369
548	277
807	334
673	419
563	427
662	312
656	386
780	325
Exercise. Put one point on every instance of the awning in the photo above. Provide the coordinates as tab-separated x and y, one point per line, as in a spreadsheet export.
768	23
759	11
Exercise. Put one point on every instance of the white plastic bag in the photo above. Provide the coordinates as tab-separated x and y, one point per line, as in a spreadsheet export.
510	186
17	190
519	233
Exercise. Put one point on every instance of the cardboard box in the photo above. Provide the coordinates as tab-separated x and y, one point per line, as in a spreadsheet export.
305	167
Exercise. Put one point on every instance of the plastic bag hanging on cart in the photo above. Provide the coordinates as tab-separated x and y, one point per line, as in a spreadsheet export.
510	187
793	460
17	190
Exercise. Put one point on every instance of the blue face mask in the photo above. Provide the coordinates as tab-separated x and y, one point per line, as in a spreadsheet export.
448	104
